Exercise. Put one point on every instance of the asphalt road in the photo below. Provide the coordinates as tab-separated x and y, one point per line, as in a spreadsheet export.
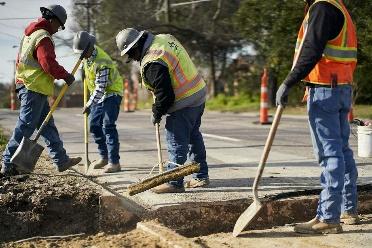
234	144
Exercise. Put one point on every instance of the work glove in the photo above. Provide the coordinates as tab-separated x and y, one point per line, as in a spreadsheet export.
282	95
86	110
69	79
154	120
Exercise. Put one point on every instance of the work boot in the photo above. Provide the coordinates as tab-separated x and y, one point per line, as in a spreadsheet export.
350	219
111	168
70	162
99	164
168	188
316	226
197	183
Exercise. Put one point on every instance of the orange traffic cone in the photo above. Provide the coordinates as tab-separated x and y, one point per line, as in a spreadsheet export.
12	99
134	98
264	106
350	116
126	96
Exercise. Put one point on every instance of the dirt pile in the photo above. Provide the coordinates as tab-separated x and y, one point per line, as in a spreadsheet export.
133	239
47	203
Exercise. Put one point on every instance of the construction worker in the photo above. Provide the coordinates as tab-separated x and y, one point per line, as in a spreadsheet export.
106	88
180	94
36	71
326	53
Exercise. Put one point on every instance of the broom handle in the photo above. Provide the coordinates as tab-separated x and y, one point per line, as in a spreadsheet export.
63	91
158	144
160	156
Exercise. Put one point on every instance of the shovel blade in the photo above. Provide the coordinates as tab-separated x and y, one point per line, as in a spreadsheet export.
26	155
247	217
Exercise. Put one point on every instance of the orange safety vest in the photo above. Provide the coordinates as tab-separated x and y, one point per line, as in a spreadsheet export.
340	54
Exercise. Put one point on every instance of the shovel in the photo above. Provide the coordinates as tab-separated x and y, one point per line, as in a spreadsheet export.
251	212
86	139
29	151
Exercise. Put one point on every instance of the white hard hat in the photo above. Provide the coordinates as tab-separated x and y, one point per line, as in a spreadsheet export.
57	11
127	38
81	41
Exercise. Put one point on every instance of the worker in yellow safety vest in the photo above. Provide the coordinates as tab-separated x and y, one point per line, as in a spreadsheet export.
36	70
105	86
325	59
180	92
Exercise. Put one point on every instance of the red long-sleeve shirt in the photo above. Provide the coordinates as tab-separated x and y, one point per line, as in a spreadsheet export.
44	52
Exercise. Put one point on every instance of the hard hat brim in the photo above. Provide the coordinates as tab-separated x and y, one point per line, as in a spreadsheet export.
42	9
122	53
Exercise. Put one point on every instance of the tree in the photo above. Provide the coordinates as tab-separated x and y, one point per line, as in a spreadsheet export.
205	29
272	27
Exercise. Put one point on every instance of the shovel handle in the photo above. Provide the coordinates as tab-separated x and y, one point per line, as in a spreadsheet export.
56	102
61	94
86	139
265	154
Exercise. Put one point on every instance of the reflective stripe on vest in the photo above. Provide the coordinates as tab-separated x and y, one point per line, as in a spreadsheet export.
185	78
103	60
340	54
29	70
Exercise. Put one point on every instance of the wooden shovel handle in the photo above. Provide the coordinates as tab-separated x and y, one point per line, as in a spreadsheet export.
61	94
265	154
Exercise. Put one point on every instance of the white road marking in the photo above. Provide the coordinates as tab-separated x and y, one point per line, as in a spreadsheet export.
220	137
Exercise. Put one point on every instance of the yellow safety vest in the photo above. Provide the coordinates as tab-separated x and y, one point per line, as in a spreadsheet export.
103	60
186	80
29	71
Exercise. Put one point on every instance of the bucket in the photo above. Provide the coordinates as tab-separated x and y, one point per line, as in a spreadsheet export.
365	141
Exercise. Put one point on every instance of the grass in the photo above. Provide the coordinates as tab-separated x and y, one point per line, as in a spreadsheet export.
247	103
3	140
237	104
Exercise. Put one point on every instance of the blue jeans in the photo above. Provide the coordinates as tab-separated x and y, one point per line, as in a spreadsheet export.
328	109
102	120
34	108
185	141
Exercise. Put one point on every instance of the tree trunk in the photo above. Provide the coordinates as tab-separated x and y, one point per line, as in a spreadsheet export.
213	89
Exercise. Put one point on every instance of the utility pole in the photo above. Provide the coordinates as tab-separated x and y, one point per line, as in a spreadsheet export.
12	87
167	6
87	5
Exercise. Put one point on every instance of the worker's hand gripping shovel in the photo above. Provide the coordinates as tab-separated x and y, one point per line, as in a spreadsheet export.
251	212
29	151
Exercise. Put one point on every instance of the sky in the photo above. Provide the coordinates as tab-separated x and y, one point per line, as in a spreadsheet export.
11	31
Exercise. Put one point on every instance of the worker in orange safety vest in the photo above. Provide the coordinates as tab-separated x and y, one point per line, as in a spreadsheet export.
325	59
